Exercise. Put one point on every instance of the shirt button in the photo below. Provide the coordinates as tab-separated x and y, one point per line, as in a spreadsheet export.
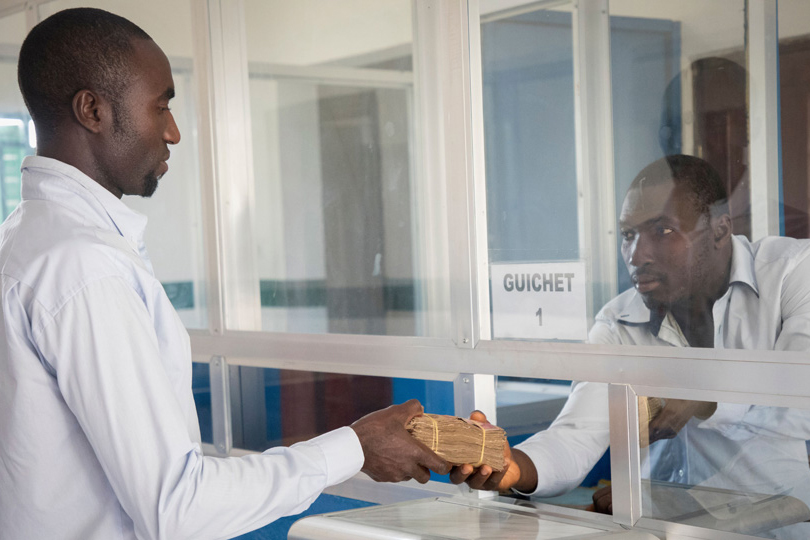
680	473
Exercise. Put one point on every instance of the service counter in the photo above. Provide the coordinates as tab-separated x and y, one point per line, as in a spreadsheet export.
460	518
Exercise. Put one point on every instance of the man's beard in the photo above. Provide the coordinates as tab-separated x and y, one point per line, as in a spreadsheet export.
125	135
150	184
659	307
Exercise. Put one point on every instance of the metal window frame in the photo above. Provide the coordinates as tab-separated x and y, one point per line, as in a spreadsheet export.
593	119
762	54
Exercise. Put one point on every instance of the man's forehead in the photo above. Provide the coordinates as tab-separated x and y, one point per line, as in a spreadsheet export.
647	200
150	63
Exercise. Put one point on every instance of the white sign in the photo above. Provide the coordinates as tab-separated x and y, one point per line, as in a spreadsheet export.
539	301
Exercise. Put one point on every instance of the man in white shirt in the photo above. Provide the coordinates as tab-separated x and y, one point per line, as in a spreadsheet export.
695	285
99	437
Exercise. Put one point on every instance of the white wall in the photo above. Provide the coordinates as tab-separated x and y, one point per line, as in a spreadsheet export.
168	22
308	32
12	29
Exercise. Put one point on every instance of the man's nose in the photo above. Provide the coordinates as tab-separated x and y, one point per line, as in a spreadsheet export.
641	250
172	133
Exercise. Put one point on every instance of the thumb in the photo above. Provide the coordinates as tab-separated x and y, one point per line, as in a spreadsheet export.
409	409
478	416
433	462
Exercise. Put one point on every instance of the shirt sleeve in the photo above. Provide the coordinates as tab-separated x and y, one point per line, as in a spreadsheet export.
105	352
565	452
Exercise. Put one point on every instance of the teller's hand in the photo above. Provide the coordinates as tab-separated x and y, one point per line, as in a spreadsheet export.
483	477
675	414
602	501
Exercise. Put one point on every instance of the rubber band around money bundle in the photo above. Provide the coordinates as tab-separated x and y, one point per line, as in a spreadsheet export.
435	444
483	443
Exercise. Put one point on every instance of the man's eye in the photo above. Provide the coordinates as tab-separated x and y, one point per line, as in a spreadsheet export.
628	235
663	231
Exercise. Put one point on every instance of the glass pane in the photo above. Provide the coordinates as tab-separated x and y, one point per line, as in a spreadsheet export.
201	386
17	136
794	101
331	96
174	236
678	86
273	407
298	405
737	468
528	81
552	418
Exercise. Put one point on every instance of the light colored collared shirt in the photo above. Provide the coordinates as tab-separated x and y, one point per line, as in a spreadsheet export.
749	448
99	437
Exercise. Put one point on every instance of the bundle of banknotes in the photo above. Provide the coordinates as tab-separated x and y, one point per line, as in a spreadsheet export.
460	440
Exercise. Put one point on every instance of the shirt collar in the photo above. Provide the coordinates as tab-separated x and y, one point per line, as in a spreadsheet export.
42	182
636	313
742	263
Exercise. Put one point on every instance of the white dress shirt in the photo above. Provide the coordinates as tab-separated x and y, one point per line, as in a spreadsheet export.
750	448
99	437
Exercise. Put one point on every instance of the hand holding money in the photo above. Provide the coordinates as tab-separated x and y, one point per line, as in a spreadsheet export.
461	440
391	454
518	471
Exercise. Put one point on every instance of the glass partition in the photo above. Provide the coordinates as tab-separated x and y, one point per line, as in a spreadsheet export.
17	135
794	62
299	405
174	235
726	466
331	97
564	429
685	79
273	407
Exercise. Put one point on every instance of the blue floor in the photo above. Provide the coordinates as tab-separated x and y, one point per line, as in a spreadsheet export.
325	503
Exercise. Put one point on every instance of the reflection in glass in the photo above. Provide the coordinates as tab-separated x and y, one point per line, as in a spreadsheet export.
528	89
794	98
335	254
17	138
725	466
288	406
338	242
459	519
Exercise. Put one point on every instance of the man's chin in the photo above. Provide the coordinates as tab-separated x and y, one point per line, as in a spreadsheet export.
653	304
150	186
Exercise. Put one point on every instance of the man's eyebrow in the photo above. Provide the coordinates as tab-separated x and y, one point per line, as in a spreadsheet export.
168	93
652	221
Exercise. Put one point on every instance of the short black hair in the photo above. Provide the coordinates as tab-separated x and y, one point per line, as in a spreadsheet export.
702	180
72	50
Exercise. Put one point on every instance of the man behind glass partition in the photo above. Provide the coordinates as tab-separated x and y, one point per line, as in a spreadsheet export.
695	285
99	437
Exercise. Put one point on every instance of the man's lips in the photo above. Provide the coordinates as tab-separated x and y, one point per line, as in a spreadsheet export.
646	283
163	168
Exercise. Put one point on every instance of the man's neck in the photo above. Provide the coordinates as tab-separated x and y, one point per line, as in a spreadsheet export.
695	316
696	321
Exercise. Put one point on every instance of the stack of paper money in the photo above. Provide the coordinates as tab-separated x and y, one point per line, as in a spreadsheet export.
648	408
460	440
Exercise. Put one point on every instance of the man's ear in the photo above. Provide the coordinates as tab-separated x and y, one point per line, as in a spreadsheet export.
90	110
722	230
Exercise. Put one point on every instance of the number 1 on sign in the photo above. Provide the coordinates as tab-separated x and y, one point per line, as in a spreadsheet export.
540	315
